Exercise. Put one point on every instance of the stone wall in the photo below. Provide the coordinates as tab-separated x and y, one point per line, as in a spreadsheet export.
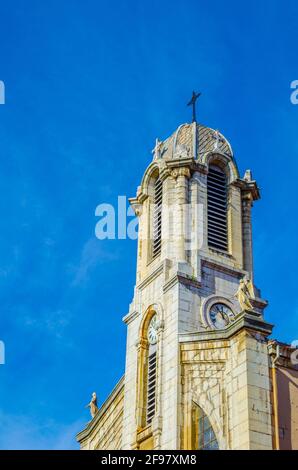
229	380
284	387
287	381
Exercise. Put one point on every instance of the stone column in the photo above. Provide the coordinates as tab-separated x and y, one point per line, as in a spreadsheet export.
181	175
196	224
247	233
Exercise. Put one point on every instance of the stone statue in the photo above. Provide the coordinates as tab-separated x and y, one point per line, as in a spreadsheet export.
157	148
245	293
93	405
218	140
250	288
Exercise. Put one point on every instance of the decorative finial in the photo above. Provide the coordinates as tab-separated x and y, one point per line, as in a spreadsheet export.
93	405
192	103
156	150
248	176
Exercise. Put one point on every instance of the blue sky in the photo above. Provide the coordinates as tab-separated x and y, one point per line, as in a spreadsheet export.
89	86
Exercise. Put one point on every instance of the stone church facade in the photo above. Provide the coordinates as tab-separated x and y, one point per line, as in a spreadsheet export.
201	371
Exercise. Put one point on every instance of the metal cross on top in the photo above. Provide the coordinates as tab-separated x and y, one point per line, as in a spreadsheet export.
192	103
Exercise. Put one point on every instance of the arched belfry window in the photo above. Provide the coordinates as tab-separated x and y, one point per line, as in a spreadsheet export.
217	208
206	436
157	218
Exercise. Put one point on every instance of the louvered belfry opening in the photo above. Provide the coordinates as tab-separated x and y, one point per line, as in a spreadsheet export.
217	209
157	213
151	385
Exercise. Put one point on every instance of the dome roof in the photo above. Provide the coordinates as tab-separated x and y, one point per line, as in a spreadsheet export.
193	141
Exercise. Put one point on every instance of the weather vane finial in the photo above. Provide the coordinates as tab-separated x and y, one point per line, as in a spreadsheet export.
192	103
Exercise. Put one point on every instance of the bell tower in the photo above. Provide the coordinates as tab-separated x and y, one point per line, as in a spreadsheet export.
197	370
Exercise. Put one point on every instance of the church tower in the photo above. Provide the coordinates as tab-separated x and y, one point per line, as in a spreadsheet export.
197	370
195	348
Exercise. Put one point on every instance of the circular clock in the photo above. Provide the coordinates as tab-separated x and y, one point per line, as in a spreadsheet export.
220	315
152	330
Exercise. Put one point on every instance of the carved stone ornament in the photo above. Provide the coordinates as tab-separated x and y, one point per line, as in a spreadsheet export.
184	171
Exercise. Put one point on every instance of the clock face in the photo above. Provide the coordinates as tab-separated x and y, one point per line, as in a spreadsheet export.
152	330
220	315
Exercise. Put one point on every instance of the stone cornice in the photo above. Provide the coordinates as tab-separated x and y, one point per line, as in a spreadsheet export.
155	273
183	279
137	201
244	320
248	188
170	283
191	163
223	268
130	317
180	162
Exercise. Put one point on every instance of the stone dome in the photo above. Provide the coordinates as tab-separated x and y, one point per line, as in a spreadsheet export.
193	141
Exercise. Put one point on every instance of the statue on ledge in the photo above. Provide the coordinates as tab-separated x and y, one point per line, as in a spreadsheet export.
93	405
245	293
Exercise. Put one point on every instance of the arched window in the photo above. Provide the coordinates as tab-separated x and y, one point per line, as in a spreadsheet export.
151	370
217	208
157	212
206	436
151	384
147	369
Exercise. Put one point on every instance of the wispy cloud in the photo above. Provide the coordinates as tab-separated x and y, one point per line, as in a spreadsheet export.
91	256
24	432
53	322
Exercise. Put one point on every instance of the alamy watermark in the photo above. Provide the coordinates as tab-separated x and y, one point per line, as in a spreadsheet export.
179	222
2	92
114	224
294	94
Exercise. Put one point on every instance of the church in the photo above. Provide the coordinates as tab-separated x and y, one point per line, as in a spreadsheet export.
201	371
